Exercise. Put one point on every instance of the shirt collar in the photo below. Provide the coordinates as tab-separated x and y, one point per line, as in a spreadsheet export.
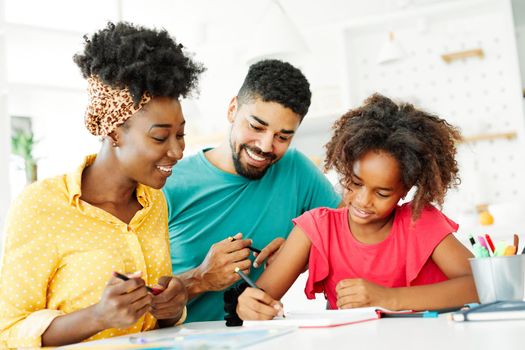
74	181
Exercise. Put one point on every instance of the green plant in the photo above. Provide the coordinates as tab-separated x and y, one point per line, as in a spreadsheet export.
22	144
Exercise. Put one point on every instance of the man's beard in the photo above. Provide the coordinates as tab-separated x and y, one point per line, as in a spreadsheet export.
247	170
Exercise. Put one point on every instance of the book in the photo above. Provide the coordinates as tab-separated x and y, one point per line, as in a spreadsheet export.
499	310
332	318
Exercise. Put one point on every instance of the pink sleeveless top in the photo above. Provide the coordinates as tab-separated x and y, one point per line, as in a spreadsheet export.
402	259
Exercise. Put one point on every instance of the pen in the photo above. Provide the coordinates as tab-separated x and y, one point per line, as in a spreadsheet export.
424	314
516	242
255	250
154	291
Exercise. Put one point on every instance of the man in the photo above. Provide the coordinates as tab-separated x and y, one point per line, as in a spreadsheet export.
250	187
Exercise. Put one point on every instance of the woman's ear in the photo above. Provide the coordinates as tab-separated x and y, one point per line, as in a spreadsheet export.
232	109
113	138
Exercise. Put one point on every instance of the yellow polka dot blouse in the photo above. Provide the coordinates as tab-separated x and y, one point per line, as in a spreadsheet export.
60	252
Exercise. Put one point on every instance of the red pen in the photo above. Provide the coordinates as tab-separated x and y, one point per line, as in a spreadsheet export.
154	291
489	242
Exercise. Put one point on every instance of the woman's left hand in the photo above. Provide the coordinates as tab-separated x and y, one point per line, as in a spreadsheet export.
170	303
357	292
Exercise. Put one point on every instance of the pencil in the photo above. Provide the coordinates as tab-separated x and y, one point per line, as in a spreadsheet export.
246	278
255	250
250	282
154	291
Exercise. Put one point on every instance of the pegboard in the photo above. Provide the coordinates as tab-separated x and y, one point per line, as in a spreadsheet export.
478	95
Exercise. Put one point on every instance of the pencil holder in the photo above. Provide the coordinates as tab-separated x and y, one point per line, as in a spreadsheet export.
499	278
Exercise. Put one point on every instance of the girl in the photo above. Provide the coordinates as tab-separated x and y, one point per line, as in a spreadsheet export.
68	235
375	252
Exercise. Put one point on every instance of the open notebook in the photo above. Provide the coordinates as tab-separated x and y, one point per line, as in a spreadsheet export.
325	318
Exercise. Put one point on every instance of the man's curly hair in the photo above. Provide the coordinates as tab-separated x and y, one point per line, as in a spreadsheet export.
423	144
141	59
277	81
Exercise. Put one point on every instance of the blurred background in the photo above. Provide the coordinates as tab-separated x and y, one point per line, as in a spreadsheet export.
459	59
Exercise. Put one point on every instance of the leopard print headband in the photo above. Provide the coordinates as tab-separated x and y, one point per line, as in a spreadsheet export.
109	107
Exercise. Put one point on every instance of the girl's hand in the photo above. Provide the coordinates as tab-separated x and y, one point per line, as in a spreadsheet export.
254	304
357	292
122	302
170	303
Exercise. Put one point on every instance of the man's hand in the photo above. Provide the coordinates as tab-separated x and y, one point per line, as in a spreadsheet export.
217	271
269	253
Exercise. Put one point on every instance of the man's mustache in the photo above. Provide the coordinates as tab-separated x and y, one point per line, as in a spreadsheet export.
268	155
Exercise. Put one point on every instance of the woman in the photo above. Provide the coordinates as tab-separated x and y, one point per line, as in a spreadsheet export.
69	236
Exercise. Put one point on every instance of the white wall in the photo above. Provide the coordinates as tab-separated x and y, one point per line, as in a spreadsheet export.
4	125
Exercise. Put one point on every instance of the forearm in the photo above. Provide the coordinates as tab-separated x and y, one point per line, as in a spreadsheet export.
72	328
194	283
454	292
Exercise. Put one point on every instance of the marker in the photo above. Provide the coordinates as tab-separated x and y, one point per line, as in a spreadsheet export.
483	243
478	250
510	250
489	242
154	291
255	250
500	249
516	242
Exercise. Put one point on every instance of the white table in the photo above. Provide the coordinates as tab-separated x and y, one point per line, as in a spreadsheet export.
392	333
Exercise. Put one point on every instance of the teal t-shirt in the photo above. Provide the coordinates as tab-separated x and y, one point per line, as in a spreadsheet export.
206	205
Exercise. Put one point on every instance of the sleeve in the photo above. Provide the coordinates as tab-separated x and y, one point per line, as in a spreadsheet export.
424	236
312	225
28	263
315	188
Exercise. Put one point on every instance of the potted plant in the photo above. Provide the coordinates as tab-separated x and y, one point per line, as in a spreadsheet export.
22	143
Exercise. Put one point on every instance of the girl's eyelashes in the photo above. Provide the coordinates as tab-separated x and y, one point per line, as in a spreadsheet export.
159	139
180	136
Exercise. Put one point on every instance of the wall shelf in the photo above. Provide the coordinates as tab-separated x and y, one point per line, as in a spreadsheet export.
489	137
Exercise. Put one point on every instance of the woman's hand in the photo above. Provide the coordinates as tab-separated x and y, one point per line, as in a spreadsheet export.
122	302
169	304
254	304
357	292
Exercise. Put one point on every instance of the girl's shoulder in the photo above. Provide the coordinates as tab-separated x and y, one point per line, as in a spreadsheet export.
430	217
325	213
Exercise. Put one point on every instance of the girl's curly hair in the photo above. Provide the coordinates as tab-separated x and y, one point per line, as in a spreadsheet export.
423	144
